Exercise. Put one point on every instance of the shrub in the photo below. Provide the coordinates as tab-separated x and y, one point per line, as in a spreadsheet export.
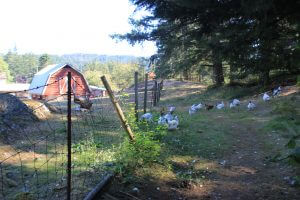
144	150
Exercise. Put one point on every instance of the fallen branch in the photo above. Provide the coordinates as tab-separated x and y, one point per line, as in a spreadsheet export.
99	188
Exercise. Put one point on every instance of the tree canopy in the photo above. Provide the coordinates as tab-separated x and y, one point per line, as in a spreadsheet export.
4	69
119	75
251	37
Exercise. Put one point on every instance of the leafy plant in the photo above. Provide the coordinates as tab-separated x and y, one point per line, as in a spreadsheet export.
144	150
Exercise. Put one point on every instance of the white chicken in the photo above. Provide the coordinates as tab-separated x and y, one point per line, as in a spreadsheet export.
147	117
266	97
251	105
162	120
220	105
194	108
236	102
173	124
277	91
232	105
172	109
169	117
198	106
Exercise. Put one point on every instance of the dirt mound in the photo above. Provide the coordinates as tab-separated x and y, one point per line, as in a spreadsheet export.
15	114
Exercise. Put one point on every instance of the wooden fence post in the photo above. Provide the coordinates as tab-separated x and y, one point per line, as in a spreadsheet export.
146	93
136	95
118	109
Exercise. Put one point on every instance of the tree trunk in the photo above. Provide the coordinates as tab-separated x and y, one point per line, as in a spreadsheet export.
218	70
199	78
265	78
186	74
231	79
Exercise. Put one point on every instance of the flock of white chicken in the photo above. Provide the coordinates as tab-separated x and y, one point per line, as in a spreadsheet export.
172	121
169	119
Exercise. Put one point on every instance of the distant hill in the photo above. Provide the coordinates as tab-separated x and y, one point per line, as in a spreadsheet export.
79	59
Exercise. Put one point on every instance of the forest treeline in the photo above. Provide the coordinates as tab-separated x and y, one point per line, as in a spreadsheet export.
118	69
230	40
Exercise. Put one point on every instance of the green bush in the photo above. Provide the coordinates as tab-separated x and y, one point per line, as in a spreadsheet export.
298	80
144	150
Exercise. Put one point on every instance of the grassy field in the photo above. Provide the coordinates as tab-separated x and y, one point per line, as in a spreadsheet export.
221	154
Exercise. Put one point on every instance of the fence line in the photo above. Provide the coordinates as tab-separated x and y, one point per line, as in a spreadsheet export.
33	147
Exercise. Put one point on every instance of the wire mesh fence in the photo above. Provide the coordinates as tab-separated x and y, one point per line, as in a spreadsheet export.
145	95
33	146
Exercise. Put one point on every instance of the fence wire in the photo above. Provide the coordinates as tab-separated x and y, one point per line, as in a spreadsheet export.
33	148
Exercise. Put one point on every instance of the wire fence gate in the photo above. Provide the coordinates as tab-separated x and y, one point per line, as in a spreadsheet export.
55	149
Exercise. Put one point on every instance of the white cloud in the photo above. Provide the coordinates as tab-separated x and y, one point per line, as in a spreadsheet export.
67	26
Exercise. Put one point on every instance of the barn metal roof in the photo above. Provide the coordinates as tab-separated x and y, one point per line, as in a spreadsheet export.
41	78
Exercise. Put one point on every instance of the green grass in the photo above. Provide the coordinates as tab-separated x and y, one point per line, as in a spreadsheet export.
285	116
208	136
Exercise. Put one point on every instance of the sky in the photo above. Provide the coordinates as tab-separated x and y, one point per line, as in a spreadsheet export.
67	26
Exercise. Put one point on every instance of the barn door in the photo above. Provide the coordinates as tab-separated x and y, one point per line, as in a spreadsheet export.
63	85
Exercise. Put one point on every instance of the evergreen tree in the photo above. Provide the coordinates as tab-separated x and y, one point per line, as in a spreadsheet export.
4	69
253	37
44	60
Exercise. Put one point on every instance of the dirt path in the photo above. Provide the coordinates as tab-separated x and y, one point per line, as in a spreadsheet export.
244	173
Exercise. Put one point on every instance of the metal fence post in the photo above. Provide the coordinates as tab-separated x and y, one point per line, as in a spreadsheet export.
69	170
146	93
136	93
155	93
158	92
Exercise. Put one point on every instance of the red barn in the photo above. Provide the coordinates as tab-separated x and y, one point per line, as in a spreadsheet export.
56	78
